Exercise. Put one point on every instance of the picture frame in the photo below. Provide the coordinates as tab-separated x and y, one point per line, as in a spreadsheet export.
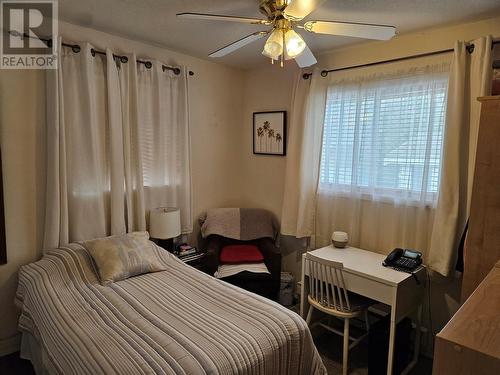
269	133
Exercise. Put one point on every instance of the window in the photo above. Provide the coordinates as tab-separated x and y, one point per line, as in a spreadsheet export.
384	138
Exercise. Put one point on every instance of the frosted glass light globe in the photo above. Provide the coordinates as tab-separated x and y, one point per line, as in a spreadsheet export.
295	45
274	45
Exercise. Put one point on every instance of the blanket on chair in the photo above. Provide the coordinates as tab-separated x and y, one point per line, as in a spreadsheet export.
243	224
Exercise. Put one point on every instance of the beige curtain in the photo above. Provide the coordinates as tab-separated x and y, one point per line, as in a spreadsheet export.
113	131
162	97
470	78
304	153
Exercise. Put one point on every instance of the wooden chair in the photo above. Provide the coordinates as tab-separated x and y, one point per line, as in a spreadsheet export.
327	293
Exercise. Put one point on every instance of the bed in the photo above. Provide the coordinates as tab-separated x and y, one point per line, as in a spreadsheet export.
177	321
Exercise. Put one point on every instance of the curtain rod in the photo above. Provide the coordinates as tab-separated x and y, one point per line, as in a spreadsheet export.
324	73
124	59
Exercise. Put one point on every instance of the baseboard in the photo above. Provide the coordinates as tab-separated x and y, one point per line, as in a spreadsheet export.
10	345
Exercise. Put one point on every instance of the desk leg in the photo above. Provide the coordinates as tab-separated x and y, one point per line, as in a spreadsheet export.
392	336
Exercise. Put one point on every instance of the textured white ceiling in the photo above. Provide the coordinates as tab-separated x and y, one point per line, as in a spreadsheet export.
154	21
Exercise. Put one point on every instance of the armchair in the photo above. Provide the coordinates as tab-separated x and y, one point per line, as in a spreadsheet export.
266	285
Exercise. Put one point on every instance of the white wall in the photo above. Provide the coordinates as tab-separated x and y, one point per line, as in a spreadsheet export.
22	116
268	88
262	176
409	44
215	112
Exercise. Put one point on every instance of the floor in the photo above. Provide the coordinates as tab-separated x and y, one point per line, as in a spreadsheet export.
330	348
13	365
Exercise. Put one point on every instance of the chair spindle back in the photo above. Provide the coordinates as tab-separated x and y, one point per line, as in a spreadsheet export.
326	283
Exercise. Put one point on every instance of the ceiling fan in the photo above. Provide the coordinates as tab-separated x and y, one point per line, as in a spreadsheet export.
284	43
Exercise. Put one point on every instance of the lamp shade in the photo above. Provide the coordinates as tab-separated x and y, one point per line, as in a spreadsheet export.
165	223
274	45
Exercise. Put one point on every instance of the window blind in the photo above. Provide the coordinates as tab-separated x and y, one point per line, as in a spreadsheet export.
384	138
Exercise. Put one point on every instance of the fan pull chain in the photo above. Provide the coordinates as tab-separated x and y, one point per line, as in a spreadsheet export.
284	46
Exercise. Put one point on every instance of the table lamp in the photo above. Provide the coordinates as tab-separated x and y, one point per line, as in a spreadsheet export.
165	225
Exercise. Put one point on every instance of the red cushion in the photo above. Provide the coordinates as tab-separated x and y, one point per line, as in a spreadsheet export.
237	254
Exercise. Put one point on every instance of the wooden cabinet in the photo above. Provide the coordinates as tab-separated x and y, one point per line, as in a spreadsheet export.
482	247
470	343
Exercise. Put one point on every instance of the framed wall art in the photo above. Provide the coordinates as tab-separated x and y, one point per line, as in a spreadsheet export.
269	133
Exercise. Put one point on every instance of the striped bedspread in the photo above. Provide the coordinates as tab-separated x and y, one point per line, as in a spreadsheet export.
178	321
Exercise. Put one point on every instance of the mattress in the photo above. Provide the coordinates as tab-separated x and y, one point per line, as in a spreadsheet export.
178	321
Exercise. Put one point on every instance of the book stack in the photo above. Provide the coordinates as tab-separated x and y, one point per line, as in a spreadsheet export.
188	253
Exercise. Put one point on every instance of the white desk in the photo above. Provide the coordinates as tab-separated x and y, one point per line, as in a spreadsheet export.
365	275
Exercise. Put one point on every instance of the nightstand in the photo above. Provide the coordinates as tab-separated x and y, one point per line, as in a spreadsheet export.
195	260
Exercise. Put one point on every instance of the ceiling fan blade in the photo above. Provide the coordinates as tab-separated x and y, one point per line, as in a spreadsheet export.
306	58
219	17
299	9
358	30
238	44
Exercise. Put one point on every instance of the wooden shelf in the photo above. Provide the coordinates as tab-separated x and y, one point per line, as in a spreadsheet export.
470	342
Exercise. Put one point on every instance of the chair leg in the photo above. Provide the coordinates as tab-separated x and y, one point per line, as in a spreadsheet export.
309	315
345	356
367	321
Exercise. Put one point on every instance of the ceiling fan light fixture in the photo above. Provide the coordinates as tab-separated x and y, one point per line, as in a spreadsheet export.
274	45
294	43
283	42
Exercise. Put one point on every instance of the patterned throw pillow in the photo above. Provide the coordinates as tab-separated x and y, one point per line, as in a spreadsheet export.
120	257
